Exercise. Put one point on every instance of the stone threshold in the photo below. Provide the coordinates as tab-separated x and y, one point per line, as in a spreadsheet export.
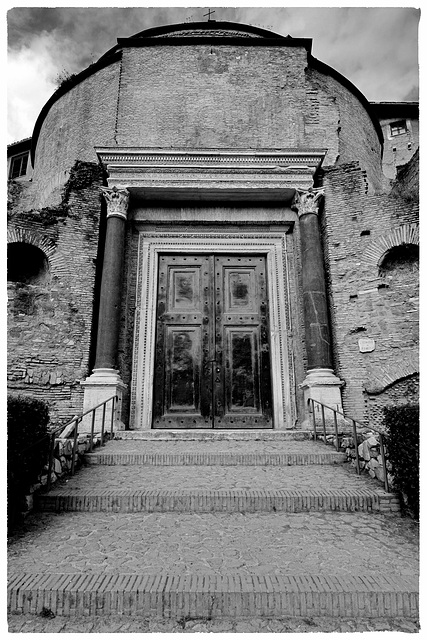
210	434
213	596
228	501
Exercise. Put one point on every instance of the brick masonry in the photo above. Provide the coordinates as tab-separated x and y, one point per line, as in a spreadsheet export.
212	596
50	323
359	229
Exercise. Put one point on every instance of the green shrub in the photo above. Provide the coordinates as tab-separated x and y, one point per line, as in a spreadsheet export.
27	447
403	444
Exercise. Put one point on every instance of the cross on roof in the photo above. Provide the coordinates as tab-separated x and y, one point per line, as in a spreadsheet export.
209	13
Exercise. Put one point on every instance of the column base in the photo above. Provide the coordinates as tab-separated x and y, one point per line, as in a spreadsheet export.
324	386
100	386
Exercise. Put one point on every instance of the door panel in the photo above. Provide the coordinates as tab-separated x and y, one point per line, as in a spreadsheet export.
183	381
212	356
241	399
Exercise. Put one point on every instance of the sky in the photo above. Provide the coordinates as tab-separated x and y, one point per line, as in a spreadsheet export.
376	48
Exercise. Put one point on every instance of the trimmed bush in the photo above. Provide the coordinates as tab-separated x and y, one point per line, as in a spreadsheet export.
403	444
27	448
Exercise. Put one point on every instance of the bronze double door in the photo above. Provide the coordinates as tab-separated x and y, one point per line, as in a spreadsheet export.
212	364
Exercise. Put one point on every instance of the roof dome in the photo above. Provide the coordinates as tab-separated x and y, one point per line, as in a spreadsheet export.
209	29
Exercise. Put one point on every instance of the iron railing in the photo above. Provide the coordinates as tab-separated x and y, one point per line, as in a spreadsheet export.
355	425
53	433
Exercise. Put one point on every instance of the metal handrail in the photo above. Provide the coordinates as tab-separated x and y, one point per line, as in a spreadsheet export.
354	422
76	419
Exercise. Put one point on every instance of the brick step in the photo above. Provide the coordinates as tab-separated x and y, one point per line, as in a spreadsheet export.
133	488
212	596
205	501
214	459
210	434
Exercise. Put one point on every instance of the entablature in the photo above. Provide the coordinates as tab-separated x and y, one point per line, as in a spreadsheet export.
211	174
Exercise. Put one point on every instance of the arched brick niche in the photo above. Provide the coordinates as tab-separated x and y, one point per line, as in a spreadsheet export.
26	264
403	391
28	270
404	235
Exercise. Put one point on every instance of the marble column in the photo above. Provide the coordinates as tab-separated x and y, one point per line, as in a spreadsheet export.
105	380
320	382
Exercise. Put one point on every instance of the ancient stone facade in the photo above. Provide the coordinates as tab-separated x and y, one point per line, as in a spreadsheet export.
216	140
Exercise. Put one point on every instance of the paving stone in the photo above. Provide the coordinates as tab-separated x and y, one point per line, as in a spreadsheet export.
312	542
122	624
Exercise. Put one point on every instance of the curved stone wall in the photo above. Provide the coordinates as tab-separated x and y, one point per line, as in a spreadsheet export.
205	96
78	121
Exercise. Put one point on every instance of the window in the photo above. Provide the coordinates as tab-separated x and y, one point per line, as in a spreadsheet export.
18	166
398	127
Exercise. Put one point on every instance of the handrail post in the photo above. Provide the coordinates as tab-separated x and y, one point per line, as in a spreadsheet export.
73	460
323	421
92	430
104	406
50	465
337	447
113	403
355	447
386	487
314	419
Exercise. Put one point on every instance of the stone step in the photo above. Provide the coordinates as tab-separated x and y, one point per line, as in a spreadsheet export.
213	596
214	453
132	488
211	434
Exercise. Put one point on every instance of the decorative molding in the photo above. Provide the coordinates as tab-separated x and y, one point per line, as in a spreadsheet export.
117	201
405	234
150	245
190	173
307	201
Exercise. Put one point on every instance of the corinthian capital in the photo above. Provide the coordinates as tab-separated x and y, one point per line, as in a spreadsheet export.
307	201
117	201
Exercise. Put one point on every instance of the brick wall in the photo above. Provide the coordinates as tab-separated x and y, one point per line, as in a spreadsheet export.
358	230
50	323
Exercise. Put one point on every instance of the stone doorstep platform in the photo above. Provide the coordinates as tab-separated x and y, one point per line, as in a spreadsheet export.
213	434
212	596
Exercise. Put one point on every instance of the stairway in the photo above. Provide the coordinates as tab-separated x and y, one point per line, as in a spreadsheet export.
214	526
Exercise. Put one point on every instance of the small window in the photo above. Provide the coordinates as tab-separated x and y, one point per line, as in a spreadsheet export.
18	166
398	127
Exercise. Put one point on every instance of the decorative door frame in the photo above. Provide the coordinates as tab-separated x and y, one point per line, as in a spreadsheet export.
272	244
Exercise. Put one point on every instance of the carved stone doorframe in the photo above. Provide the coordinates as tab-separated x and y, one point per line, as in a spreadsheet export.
270	244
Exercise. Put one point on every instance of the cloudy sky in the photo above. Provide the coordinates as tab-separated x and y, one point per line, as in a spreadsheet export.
375	47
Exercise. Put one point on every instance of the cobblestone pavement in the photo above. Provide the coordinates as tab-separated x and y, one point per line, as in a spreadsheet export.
215	478
220	446
333	543
123	624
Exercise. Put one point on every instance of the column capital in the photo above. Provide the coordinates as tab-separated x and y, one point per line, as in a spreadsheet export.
117	201
307	201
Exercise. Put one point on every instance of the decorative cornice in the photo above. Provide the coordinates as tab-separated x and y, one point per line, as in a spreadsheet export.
117	202
307	201
248	174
